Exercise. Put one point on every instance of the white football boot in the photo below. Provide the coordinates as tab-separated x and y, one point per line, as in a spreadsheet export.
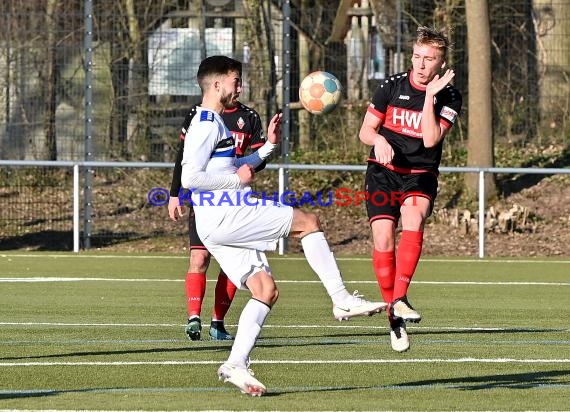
242	377
357	306
401	309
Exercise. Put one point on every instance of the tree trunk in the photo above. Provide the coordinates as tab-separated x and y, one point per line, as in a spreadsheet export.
480	115
138	107
51	80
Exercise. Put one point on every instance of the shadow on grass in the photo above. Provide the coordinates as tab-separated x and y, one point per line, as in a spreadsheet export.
218	348
413	331
510	381
277	342
38	393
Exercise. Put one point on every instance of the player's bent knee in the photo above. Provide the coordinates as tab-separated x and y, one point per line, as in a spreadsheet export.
305	222
199	260
267	296
263	288
272	298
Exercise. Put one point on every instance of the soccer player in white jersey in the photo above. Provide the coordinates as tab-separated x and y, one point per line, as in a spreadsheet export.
237	229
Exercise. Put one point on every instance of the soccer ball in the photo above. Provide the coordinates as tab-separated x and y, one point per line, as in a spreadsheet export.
320	92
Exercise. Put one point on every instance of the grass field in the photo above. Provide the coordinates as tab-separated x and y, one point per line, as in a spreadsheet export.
105	332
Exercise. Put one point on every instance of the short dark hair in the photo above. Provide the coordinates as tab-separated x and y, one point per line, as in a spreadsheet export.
217	65
433	37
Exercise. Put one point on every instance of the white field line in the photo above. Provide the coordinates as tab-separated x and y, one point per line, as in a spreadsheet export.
40	279
293	362
269	326
345	259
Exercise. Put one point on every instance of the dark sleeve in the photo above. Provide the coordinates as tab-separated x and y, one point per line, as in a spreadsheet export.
381	98
176	183
450	106
258	139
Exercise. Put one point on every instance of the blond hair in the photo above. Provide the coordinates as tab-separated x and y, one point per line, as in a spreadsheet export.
432	37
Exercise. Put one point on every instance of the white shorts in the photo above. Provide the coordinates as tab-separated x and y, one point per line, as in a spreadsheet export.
244	234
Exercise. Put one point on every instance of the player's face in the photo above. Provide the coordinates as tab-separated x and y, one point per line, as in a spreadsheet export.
231	88
427	61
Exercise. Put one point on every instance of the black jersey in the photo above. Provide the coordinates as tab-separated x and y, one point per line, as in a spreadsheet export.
398	103
245	125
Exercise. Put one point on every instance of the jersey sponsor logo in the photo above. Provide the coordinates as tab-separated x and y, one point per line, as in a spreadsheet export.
406	122
240	123
206	116
404	97
406	118
448	113
241	139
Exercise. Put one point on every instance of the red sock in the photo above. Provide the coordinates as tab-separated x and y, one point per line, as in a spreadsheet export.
195	290
385	269
407	258
225	292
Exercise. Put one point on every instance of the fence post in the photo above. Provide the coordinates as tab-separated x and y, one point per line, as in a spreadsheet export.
481	214
88	50
76	208
286	120
281	191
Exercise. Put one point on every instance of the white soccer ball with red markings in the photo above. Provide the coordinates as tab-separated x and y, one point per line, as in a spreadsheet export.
320	92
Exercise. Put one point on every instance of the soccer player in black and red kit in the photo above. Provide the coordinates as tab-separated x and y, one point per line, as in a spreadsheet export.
247	130
405	123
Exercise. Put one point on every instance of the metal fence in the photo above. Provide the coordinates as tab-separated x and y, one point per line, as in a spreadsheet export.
106	80
53	220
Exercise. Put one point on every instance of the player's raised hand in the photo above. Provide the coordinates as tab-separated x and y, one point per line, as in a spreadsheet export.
438	83
245	174
274	128
175	209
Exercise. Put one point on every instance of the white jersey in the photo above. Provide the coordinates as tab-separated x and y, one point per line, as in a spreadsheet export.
208	164
234	227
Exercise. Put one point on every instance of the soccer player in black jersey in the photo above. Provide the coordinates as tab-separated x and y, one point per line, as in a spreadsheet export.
245	125
405	123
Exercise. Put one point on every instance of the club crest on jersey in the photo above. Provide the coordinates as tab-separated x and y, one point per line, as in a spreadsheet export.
206	116
240	123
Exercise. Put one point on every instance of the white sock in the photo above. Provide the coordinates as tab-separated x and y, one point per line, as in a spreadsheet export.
249	326
322	261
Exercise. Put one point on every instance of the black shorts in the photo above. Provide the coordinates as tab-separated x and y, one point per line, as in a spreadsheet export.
386	191
195	241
